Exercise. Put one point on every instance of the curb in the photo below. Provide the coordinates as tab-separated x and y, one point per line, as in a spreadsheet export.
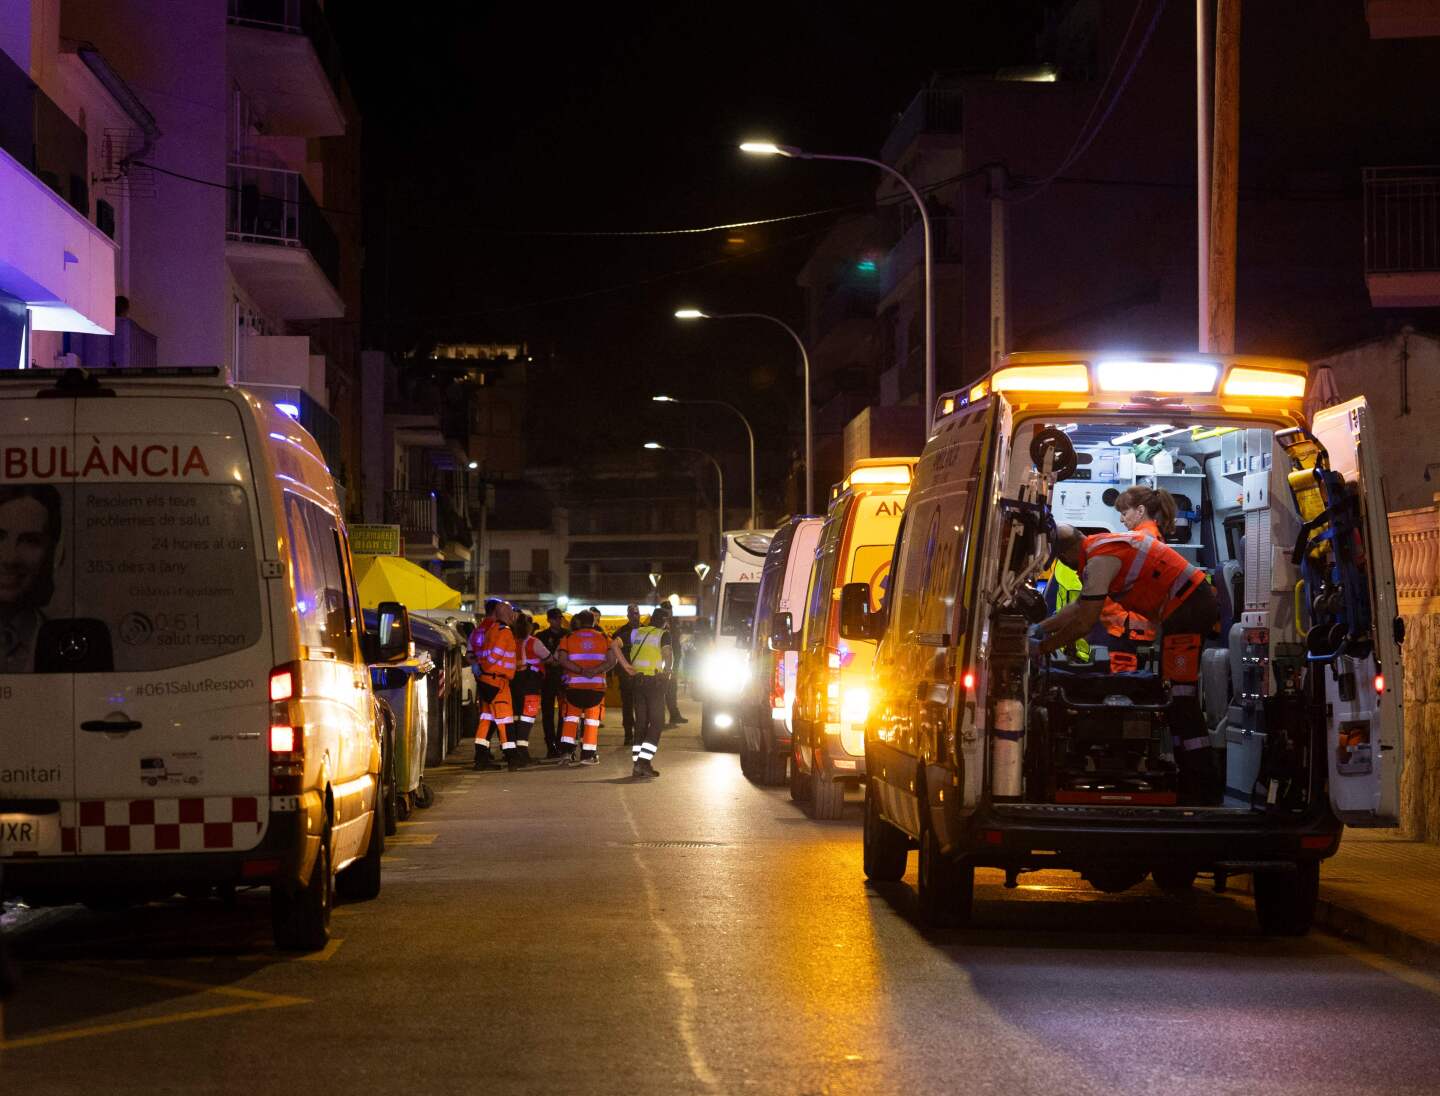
1385	938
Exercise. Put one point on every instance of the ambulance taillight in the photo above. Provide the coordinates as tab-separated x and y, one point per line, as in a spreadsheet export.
287	735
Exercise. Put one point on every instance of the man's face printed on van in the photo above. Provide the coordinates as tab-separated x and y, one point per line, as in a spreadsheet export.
26	547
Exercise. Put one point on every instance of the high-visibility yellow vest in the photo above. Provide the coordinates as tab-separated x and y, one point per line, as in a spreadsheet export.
1067	589
646	654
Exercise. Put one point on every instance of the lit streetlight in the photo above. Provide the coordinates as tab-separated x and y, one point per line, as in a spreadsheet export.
719	475
748	431
769	148
697	314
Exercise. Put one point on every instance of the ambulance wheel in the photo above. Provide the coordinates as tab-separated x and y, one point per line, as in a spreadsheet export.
827	796
709	735
1173	880
747	759
770	767
799	782
300	915
1285	901
885	848
361	880
947	889
403	806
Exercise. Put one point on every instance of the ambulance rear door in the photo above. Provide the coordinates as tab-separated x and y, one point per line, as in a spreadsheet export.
37	610
171	724
1364	701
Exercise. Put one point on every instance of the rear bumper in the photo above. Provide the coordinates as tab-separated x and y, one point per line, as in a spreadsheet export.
835	761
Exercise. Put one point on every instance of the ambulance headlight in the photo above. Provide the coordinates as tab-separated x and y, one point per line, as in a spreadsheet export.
724	673
855	705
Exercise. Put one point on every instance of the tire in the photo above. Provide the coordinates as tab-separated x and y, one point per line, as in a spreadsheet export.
300	915
361	880
947	889
827	796
799	782
1178	881
389	807
770	769
747	759
424	796
404	806
1285	901
709	736
885	848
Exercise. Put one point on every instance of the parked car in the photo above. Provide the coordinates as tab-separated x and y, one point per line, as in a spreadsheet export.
451	686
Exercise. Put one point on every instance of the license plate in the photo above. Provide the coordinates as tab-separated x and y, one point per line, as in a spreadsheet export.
29	834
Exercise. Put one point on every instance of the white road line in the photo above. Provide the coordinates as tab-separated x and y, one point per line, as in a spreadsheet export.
676	976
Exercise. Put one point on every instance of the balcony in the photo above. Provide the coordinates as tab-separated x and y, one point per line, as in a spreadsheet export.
521	582
287	62
280	361
909	252
51	256
279	245
934	110
1402	236
429	523
131	346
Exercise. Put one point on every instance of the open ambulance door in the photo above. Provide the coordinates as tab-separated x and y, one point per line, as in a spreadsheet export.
1363	699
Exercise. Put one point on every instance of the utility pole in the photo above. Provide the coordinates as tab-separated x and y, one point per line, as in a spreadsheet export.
999	319
1225	178
1204	60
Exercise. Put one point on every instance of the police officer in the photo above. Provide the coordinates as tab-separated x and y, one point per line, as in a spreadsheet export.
1148	577
627	683
649	660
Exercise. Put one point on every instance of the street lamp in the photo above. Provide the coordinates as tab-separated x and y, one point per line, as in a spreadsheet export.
719	475
769	148
697	314
748	430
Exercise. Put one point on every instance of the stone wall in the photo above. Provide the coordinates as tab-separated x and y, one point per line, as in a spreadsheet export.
1415	541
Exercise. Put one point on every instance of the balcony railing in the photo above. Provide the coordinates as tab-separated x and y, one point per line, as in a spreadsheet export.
521	582
42	138
293	17
426	517
1402	219
270	205
934	110
131	345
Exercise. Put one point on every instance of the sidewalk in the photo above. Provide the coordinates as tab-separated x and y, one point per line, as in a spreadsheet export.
1385	891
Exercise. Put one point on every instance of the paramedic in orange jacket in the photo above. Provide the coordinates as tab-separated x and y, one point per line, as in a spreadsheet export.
1148	577
496	663
1142	510
585	656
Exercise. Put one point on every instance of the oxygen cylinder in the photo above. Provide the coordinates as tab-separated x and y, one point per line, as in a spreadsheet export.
1007	750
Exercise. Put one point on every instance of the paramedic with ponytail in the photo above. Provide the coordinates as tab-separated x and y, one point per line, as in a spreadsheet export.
1142	510
1149	578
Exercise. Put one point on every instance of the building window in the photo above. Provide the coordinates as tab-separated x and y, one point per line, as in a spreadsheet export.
105	217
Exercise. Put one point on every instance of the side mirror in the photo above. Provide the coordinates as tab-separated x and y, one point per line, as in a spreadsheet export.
390	642
782	633
856	621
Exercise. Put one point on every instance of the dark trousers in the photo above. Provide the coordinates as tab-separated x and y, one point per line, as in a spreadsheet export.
649	713
1182	639
672	696
627	701
550	690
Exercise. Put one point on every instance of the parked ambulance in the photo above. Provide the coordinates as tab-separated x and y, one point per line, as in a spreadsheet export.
723	658
184	673
766	710
832	678
984	753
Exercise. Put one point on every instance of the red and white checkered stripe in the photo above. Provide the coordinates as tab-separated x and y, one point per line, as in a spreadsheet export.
164	825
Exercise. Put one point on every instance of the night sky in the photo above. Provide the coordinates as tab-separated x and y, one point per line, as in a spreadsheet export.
487	126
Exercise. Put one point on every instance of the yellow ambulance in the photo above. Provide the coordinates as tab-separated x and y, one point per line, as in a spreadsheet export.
832	690
981	751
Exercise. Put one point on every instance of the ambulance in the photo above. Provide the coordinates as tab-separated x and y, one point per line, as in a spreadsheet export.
833	690
184	681
981	752
723	660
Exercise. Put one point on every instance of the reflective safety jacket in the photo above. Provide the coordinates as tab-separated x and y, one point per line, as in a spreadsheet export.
1067	589
1153	578
530	654
646	654
478	635
497	656
1117	619
589	649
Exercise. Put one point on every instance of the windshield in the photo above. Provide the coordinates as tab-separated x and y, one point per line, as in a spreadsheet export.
737	615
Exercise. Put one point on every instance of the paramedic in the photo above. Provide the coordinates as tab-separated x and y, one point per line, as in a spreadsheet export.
586	657
1142	510
497	668
1147	577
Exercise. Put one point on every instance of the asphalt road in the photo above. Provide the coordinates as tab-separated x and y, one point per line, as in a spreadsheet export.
576	931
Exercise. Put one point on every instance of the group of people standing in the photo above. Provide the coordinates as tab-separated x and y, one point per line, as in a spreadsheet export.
559	676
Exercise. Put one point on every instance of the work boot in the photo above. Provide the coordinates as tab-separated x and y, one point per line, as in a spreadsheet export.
524	752
483	760
512	759
637	770
590	757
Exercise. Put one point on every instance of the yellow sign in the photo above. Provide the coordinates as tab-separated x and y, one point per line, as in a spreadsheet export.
376	540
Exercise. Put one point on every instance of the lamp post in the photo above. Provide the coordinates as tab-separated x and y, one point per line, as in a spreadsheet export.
748	431
719	475
697	314
768	148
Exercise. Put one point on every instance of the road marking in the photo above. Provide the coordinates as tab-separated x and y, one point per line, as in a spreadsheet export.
248	1000
412	839
676	976
1393	967
324	954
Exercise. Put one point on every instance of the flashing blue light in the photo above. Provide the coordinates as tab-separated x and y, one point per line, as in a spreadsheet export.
289	409
304	608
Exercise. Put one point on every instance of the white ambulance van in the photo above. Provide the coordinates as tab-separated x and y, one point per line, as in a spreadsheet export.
183	671
723	663
982	752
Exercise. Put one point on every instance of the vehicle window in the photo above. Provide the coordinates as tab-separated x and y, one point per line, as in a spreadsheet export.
822	582
738	616
871	564
170	569
319	579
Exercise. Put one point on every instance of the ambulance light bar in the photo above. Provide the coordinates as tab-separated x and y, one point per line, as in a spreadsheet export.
878	473
1272	383
1066	377
1143	376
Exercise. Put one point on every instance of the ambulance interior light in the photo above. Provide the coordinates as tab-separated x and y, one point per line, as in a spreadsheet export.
1123	375
1248	381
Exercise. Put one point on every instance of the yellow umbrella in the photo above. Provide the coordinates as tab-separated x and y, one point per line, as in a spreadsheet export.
390	578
